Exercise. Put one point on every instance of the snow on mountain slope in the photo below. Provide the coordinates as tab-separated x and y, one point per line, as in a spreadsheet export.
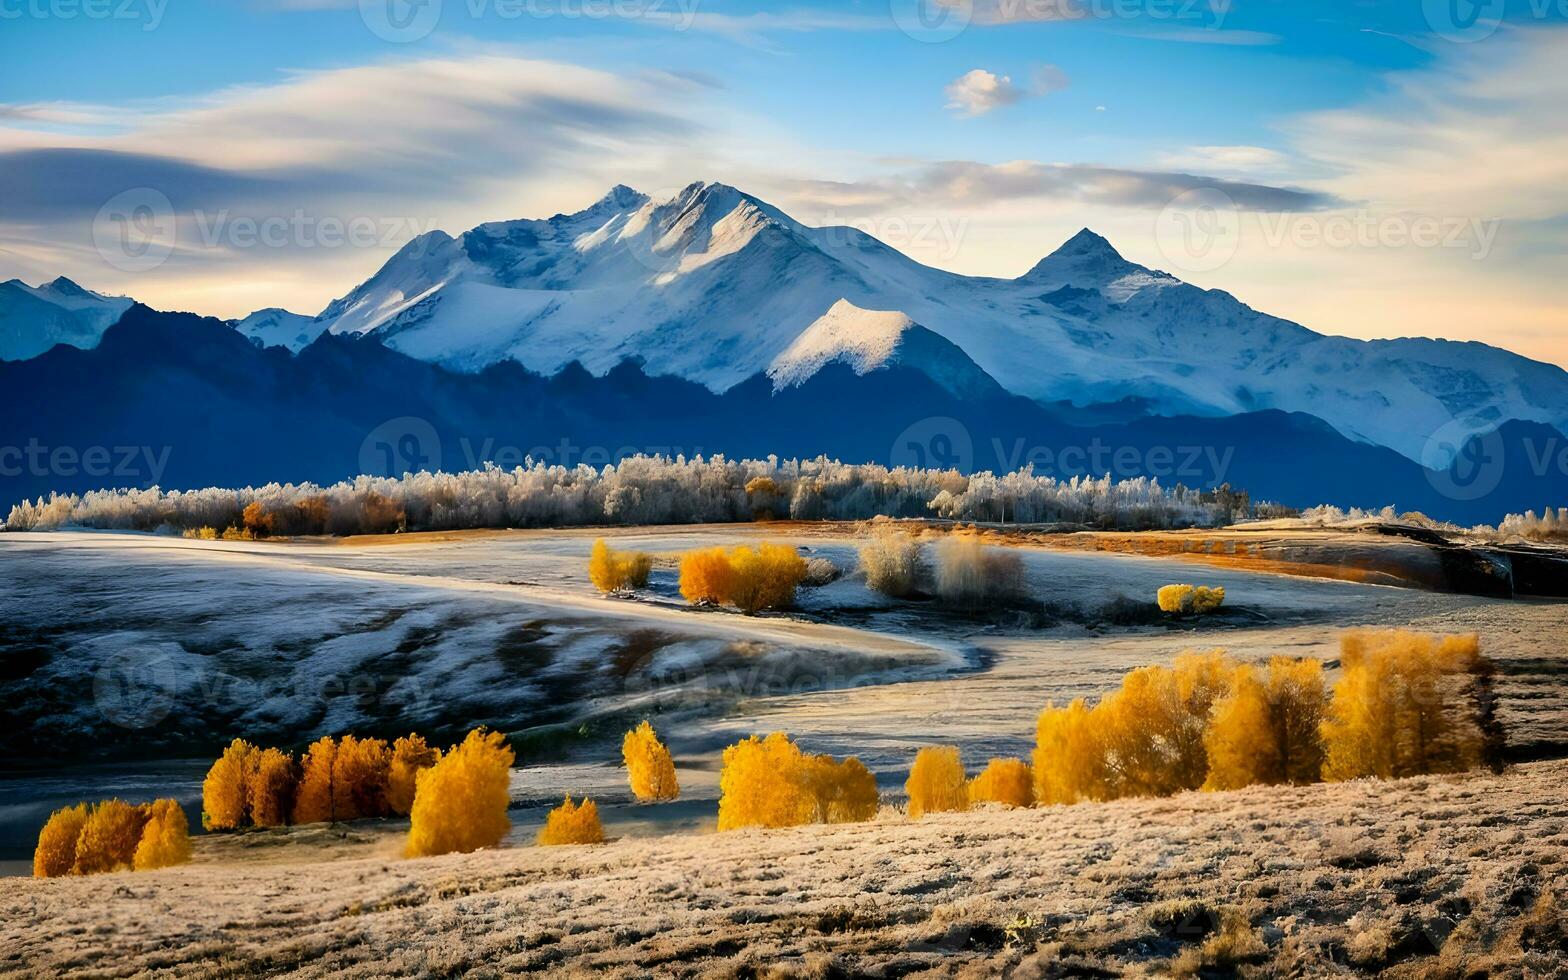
36	318
870	340
716	285
274	327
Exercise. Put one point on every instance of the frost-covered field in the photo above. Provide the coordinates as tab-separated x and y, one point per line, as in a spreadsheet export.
1461	876
154	651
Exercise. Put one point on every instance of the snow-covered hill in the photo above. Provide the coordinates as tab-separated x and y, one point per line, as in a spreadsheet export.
274	327
716	285
36	318
870	340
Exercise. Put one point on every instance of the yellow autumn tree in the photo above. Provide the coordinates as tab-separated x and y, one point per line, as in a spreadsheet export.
109	837
764	783
612	571
765	577
844	791
1153	727
1069	756
937	782
224	805
1006	781
165	839
56	851
359	778
1405	704
1265	728
706	576
410	755
272	779
649	768
572	823
460	802
313	802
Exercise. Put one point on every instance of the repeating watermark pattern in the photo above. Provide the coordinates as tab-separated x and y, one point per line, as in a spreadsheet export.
938	443
137	687
932	21
943	443
1199	230
125	465
135	231
146	13
401	445
1464	21
406	21
1461	465
936	237
138	230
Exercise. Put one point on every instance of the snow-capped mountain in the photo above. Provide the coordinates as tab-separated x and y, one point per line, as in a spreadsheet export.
871	340
716	286
274	327
35	318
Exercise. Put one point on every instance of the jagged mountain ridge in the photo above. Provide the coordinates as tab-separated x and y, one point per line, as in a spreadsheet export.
714	285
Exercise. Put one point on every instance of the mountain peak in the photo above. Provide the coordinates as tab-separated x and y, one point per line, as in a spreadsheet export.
1088	243
620	198
1084	258
66	287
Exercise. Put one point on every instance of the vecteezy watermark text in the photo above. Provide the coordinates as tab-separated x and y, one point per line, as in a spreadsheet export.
148	13
123	463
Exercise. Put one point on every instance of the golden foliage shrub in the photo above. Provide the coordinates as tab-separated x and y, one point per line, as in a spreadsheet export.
765	577
752	579
968	574
1265	728
410	755
937	783
1405	704
706	576
649	768
613	571
891	562
109	838
224	804
1189	599
845	792
165	839
764	783
313	802
460	802
272	779
1006	781
359	778
1069	757
56	851
572	823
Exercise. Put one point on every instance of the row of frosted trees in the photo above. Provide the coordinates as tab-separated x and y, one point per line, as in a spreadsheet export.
638	490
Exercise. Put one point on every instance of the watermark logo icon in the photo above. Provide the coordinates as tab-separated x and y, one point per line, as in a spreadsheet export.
400	21
136	688
938	443
135	230
1199	230
932	21
1462	464
398	446
1464	21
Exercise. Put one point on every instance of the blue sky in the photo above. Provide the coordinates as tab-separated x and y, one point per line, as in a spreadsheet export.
1333	133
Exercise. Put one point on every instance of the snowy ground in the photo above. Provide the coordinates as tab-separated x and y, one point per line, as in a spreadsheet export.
1461	876
146	648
